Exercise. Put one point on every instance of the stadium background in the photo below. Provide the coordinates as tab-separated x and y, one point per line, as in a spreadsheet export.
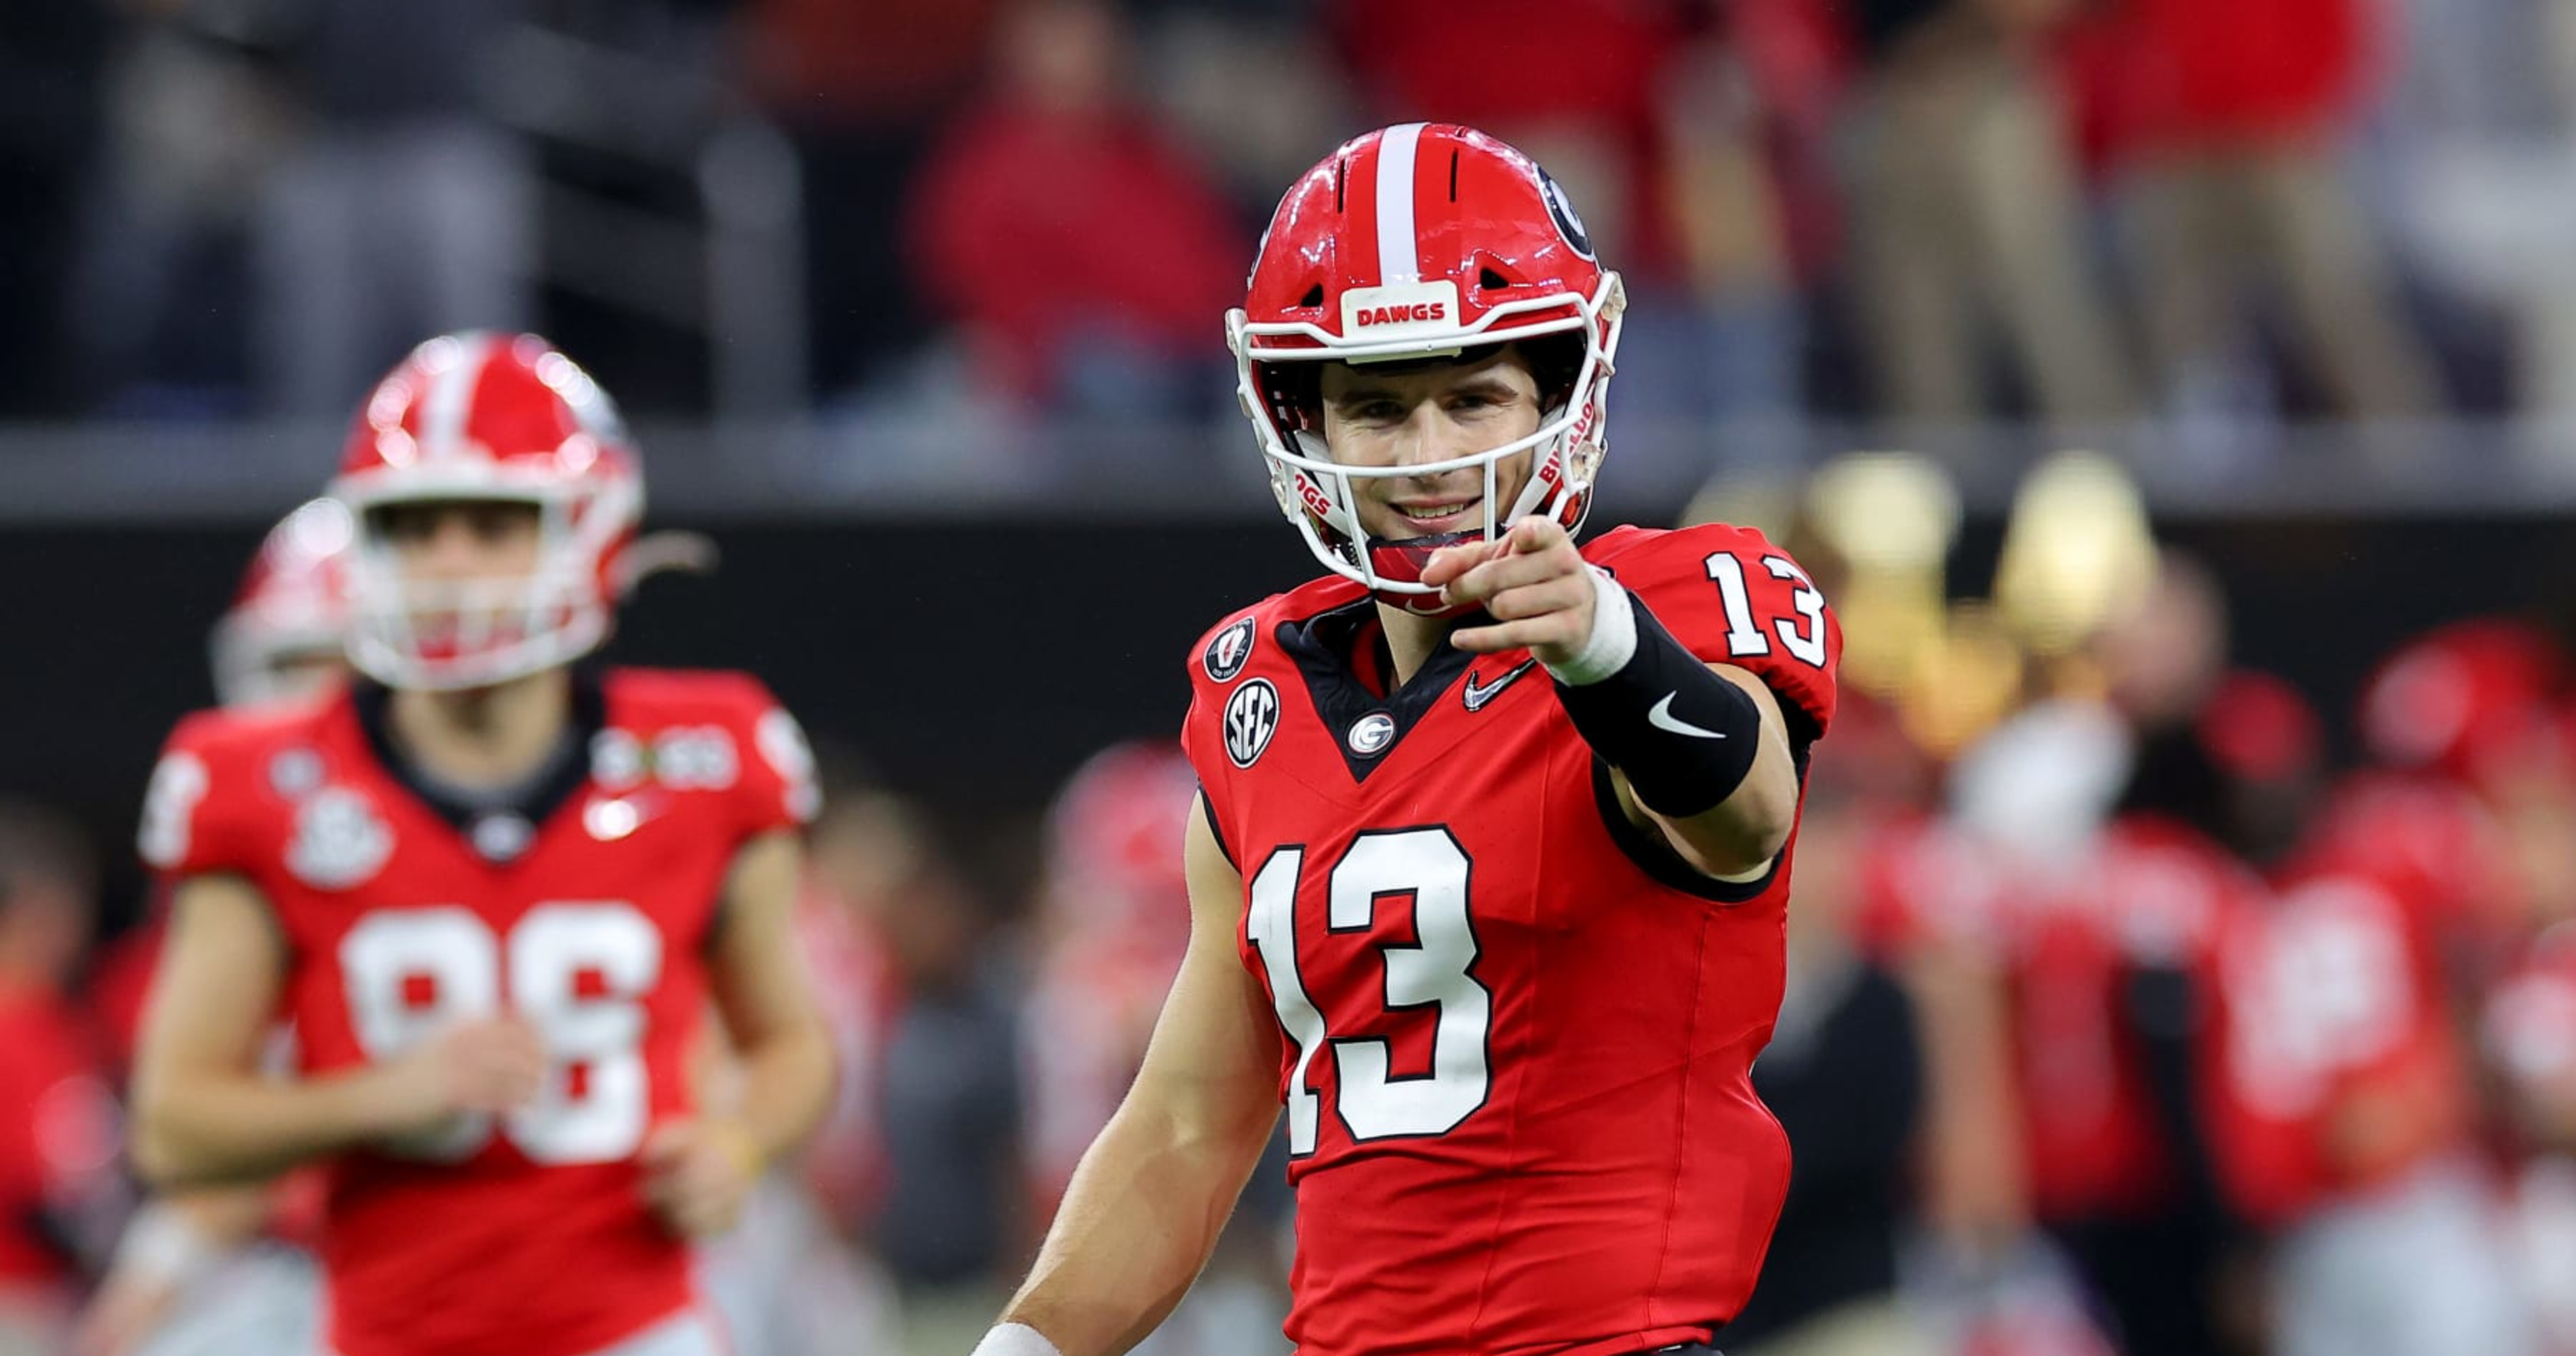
914	305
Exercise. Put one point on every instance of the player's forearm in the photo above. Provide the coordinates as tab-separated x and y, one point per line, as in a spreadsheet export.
786	1088
1138	1223
1702	749
1752	825
199	1129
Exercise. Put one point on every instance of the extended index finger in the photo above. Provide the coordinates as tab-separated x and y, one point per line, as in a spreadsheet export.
1449	562
1534	534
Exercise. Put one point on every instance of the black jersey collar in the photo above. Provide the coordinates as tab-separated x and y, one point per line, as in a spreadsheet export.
1364	726
567	773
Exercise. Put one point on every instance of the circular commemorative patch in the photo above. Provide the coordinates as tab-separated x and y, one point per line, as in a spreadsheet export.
1226	652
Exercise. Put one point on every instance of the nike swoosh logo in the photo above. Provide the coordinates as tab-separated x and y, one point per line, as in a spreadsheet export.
1662	718
1477	696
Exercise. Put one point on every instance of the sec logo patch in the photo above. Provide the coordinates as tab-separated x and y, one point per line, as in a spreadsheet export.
1251	718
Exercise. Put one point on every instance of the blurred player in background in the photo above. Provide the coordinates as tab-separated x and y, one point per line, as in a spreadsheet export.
2399	909
1505	942
286	636
1114	923
60	1196
493	887
184	1277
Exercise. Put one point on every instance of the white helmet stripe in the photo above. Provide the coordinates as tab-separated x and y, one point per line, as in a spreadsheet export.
451	397
1399	254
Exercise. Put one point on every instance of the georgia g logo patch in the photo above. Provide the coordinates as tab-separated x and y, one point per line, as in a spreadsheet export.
1251	718
1226	652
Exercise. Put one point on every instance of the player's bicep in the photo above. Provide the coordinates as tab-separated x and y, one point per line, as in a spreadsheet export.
758	979
216	986
1214	1059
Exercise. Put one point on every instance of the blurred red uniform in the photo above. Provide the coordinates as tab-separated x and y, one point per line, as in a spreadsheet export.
855	984
2064	941
2151	895
589	917
57	1138
1117	920
1519	1041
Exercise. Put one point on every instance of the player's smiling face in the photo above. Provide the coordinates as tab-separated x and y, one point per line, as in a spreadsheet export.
1416	414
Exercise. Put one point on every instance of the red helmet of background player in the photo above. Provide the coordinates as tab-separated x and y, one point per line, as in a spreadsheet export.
1413	242
1112	847
488	417
2465	699
293	607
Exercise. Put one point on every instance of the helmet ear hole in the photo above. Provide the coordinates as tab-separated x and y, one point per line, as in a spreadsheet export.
1487	280
1314	296
1295	393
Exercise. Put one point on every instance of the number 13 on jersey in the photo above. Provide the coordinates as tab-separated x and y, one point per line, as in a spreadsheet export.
1426	870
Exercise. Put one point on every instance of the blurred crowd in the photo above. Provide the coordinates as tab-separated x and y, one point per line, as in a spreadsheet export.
2073	211
2137	1004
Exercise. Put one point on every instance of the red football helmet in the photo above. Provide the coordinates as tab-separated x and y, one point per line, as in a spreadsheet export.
293	609
2465	699
1423	240
488	417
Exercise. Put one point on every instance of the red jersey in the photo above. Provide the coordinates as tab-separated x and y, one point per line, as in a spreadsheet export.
2064	939
586	911
856	987
2336	1029
1089	1016
1518	1036
57	1135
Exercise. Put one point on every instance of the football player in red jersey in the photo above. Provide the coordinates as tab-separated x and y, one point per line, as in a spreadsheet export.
282	640
1489	867
494	889
286	635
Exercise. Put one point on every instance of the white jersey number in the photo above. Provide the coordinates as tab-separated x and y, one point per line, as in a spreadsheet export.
578	972
1744	637
1429	869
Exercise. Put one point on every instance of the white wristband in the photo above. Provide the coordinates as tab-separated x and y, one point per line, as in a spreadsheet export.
1015	1339
1613	641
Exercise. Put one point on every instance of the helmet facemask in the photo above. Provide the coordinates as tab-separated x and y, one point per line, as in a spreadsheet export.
453	634
1317	495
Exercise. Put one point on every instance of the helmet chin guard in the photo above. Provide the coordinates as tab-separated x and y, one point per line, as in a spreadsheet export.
1422	242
